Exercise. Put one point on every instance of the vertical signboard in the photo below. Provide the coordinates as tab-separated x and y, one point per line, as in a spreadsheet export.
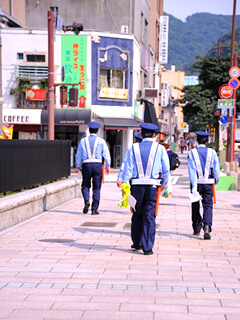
163	40
74	60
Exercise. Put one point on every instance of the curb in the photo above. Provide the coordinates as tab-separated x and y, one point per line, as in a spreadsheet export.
20	207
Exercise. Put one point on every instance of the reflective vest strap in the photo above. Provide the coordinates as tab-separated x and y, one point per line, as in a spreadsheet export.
198	163
88	148
151	160
93	155
138	160
203	179
208	163
95	147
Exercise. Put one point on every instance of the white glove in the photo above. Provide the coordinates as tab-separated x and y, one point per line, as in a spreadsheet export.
196	193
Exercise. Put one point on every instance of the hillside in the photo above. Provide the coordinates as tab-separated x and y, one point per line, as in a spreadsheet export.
196	36
225	45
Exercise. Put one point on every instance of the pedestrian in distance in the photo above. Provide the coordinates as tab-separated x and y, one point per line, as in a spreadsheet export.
147	166
203	169
91	153
182	144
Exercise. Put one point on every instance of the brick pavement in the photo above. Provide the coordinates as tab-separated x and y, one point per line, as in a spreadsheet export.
66	265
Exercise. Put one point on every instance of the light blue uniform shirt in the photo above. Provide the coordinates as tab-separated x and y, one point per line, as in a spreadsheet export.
161	164
101	152
192	170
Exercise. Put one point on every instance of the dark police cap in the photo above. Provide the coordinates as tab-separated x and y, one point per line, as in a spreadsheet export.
148	127
138	136
202	134
94	125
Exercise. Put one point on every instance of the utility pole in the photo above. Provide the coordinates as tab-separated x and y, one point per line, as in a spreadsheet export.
230	156
51	90
1	99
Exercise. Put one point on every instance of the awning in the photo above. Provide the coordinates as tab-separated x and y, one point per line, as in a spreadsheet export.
150	114
121	123
67	117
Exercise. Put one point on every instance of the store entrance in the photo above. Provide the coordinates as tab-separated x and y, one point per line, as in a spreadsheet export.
114	141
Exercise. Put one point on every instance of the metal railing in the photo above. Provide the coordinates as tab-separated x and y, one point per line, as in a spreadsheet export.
25	163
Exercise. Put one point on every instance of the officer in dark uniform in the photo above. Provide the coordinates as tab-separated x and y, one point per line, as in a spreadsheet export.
203	169
90	154
147	166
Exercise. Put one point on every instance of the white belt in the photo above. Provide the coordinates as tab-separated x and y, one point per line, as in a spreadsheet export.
92	160
155	182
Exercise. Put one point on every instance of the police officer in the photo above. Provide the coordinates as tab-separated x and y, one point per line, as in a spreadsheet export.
147	166
91	152
203	169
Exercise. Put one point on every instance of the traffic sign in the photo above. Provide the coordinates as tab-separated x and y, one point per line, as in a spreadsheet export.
225	91
234	83
226	103
224	119
234	72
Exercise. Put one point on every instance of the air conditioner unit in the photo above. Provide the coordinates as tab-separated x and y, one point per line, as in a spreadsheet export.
150	93
124	28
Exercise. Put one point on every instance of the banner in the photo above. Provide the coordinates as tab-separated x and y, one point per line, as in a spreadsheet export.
7	131
74	61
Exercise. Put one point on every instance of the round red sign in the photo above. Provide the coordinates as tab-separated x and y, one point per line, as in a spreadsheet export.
225	91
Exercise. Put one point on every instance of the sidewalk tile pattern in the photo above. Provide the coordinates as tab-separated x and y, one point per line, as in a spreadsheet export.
67	265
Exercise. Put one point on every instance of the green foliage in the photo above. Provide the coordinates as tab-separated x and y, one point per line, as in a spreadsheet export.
195	36
200	100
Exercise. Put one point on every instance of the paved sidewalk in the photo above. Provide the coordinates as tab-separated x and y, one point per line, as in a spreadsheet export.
67	265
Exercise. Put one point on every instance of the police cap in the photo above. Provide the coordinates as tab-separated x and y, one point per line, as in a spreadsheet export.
138	136
202	134
94	125
148	127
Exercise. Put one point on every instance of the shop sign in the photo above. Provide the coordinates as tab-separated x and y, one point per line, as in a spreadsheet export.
74	61
21	116
36	94
113	93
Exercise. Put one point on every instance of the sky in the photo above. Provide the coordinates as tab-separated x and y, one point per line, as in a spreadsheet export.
181	9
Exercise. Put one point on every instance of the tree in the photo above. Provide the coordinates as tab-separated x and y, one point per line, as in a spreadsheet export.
199	101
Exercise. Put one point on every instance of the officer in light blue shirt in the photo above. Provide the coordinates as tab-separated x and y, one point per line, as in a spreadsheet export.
147	166
203	169
91	153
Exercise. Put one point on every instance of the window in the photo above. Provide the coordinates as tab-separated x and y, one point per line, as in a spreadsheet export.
112	78
35	58
20	55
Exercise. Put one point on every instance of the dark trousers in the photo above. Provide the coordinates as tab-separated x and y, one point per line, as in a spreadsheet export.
143	226
92	172
199	221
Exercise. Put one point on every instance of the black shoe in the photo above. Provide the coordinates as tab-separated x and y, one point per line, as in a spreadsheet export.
95	212
197	234
206	232
87	205
135	248
148	253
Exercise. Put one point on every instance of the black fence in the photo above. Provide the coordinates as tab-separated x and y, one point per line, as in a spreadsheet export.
25	163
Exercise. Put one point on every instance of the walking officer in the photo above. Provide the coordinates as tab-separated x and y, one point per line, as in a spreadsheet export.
203	169
147	166
91	151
